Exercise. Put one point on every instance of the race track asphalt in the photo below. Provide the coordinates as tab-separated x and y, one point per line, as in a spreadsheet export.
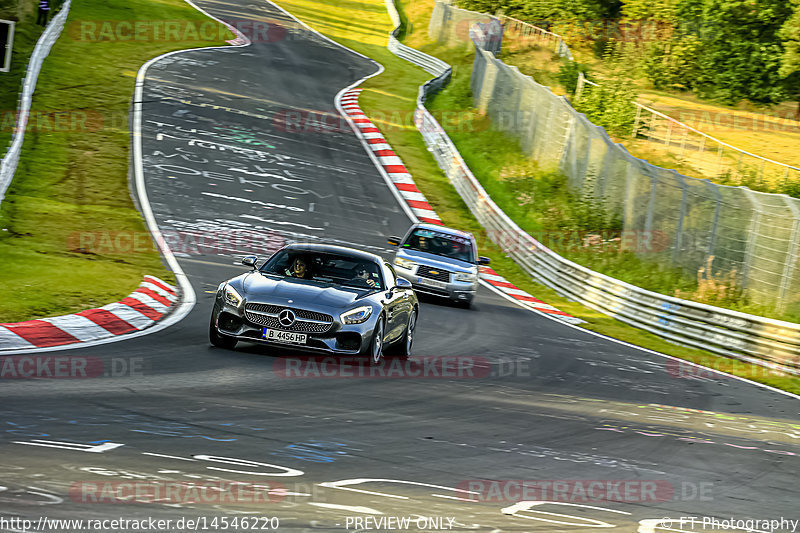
234	144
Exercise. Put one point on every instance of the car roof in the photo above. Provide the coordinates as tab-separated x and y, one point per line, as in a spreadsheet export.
444	229
333	249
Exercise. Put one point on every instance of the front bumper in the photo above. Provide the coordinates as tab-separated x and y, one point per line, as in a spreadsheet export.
460	291
343	339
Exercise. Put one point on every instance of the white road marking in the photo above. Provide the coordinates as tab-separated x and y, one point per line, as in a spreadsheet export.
352	508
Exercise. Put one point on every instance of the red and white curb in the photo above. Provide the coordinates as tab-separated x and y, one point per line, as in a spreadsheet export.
391	164
507	288
419	205
141	309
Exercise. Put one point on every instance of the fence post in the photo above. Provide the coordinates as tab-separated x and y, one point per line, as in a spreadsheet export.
739	166
669	134
752	233
635	131
791	254
628	206
720	151
681	216
651	205
712	241
683	144
489	79
579	87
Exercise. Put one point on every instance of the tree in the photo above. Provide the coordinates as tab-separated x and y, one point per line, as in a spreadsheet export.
548	10
790	34
655	10
790	60
741	51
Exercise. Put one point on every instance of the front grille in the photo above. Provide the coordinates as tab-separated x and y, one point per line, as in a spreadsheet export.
425	271
299	326
300	313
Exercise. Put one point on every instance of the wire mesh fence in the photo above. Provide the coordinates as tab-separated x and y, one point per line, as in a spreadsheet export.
749	238
706	155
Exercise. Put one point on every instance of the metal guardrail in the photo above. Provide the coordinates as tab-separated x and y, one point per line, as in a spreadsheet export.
430	64
767	342
46	41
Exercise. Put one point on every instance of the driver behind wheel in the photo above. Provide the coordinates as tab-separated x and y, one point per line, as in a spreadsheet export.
363	274
299	269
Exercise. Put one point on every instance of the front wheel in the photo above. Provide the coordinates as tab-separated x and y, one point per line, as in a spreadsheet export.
375	349
405	344
219	340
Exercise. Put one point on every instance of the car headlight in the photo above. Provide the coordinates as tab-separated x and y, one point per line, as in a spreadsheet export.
465	276
357	315
231	296
404	263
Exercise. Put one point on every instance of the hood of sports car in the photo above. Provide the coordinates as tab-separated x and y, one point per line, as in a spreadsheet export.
305	294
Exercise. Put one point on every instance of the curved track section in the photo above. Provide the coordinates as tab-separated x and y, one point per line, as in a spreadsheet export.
246	142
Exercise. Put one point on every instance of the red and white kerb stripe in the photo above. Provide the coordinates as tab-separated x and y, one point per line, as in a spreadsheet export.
142	308
503	285
388	159
419	204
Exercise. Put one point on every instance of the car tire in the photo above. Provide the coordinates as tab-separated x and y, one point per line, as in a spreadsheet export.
405	345
374	351
218	339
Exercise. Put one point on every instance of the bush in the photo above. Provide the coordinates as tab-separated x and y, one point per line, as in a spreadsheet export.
568	75
610	104
673	64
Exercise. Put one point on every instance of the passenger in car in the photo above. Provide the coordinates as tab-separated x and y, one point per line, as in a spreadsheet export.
363	274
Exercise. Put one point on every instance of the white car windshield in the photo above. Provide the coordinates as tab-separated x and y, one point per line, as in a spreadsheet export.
439	243
338	269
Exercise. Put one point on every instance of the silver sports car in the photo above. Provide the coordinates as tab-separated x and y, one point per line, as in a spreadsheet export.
318	297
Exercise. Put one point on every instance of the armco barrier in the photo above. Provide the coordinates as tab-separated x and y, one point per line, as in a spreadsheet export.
767	342
46	41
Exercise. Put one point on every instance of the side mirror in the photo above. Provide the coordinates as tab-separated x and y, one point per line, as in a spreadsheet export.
403	283
393	241
484	260
250	261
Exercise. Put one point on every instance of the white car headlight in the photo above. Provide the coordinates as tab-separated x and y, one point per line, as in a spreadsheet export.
231	296
404	263
357	315
465	276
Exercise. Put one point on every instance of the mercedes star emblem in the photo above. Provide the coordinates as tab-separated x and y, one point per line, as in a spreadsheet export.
286	318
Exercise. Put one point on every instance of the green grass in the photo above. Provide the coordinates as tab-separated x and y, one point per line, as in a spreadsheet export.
26	32
393	94
73	181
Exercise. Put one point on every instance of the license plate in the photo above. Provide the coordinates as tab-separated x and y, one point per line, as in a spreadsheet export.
288	337
432	283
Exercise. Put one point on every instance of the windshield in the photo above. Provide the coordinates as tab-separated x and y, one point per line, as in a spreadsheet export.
324	267
444	244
